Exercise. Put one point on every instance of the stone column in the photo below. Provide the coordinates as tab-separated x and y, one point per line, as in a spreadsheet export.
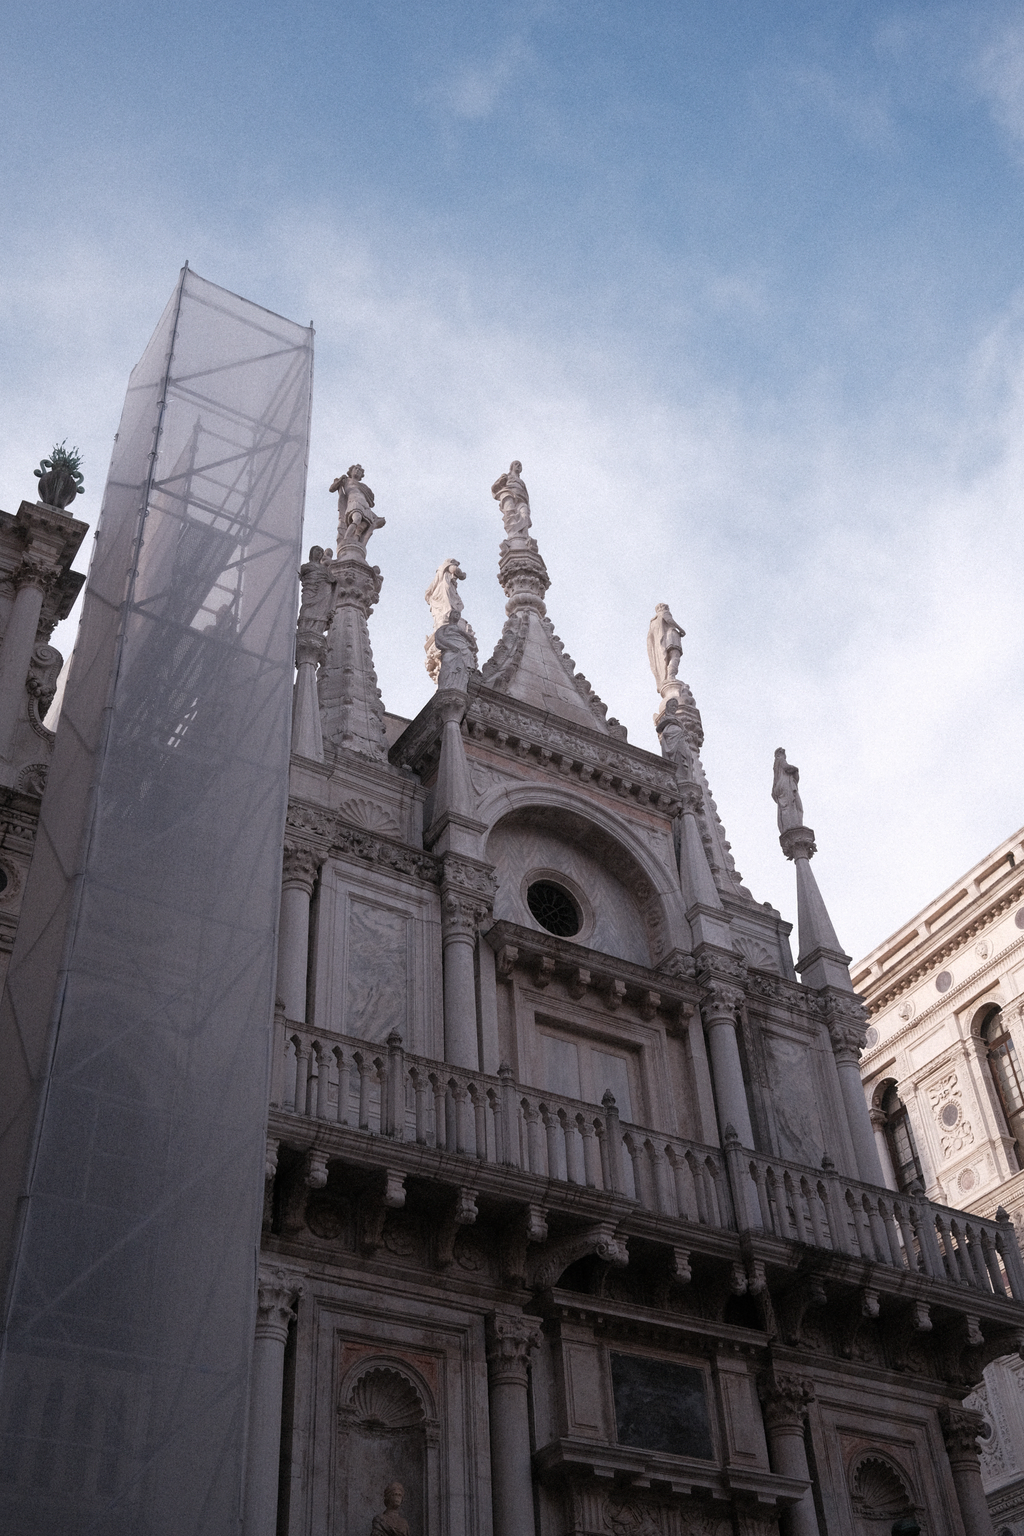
510	1337
461	916
845	1020
278	1293
307	732
718	1008
301	863
960	1429
784	1400
877	1117
19	640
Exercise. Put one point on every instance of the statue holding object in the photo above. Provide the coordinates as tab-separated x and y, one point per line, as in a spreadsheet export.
446	614
317	592
356	518
513	498
664	647
785	792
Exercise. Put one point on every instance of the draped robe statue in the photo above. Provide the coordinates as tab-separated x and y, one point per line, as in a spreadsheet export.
356	518
664	646
785	792
513	498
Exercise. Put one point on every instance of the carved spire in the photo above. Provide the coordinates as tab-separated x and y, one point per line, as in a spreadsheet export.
822	962
529	661
351	708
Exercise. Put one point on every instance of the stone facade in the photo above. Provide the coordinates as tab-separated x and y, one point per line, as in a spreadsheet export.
945	996
575	1222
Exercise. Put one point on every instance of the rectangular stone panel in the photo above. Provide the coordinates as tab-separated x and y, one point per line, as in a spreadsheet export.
661	1406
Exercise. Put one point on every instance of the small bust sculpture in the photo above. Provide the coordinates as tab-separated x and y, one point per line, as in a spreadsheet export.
356	518
317	591
785	792
664	645
391	1523
513	498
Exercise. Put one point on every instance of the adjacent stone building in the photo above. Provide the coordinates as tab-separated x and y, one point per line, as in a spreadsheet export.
574	1217
942	1067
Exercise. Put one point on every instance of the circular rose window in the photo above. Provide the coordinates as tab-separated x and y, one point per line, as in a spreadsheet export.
554	909
944	980
949	1114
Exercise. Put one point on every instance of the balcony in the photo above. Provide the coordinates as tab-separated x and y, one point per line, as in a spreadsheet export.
337	1098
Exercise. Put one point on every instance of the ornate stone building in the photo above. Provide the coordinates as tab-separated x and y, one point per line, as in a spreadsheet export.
573	1218
942	1070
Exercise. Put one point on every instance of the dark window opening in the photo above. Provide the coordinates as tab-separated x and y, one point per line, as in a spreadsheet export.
1004	1064
900	1138
554	909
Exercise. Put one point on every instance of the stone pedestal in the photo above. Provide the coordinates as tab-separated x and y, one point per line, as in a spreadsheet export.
960	1429
509	1340
278	1293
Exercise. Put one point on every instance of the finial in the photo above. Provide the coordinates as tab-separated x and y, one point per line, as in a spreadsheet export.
513	498
60	476
451	644
357	520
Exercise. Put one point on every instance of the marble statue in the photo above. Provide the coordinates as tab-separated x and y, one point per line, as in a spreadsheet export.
664	645
317	591
391	1523
456	646
513	498
356	518
674	746
442	595
785	792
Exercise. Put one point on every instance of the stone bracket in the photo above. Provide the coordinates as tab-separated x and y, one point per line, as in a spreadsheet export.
461	1213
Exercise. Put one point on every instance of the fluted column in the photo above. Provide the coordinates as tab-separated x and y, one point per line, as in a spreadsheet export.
510	1338
301	864
307	731
960	1429
462	912
719	1002
845	1019
784	1402
19	640
278	1293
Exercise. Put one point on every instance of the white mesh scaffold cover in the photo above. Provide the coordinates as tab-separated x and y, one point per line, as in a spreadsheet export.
135	1027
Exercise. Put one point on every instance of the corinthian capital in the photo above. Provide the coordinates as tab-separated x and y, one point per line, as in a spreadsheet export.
784	1400
462	914
847	1027
310	646
275	1305
719	1001
510	1338
34	572
960	1430
798	843
301	865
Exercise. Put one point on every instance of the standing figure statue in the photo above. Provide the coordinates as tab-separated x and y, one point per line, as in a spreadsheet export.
674	746
456	647
317	591
442	595
513	498
356	518
664	645
391	1523
785	792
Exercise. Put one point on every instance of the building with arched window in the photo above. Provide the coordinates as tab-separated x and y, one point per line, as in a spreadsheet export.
943	1068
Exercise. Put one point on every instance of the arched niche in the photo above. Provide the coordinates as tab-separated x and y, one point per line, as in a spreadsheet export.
880	1492
387	1433
623	903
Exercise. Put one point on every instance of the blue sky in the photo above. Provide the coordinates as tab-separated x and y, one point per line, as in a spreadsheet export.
741	284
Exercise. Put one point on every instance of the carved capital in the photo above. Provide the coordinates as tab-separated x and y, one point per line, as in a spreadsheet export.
310	647
275	1304
462	915
301	865
34	572
356	584
784	1400
960	1430
846	1020
468	876
719	1002
691	798
523	576
510	1338
798	843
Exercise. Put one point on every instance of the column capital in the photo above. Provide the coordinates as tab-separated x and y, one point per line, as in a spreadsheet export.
467	895
846	1021
784	1400
960	1430
510	1338
798	843
301	865
522	574
719	1000
275	1305
357	584
310	646
34	572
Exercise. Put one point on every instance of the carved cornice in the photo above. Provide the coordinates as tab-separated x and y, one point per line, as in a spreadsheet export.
470	876
565	750
346	841
510	1338
543	958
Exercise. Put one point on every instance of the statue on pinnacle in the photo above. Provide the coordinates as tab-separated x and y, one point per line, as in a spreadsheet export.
664	646
785	792
513	498
357	520
456	647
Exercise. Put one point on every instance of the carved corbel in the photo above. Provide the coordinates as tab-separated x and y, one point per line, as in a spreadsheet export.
650	1002
738	1280
388	1195
579	981
615	994
507	956
792	1307
903	1328
602	1239
531	1227
543	971
462	1213
315	1171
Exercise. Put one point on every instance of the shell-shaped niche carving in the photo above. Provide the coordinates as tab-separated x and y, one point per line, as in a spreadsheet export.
755	953
878	1490
366	814
384	1400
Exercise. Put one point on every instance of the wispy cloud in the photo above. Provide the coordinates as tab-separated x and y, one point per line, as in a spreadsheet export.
473	91
997	70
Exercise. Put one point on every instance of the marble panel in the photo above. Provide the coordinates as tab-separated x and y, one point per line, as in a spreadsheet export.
795	1099
661	1406
376	971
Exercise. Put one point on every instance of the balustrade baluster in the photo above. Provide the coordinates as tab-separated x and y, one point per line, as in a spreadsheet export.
323	1081
419	1088
393	1092
662	1192
637	1161
862	1232
795	1197
533	1154
876	1226
891	1234
923	1218
613	1137
440	1111
551	1129
1009	1251
510	1151
976	1257
959	1250
344	1068
911	1256
479	1121
591	1153
991	1258
291	1063
809	1192
501	1130
573	1172
699	1174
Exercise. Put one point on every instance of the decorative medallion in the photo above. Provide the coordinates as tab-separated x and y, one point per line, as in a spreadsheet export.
871	1039
1018	917
983	948
967	1181
943	981
949	1114
907	1010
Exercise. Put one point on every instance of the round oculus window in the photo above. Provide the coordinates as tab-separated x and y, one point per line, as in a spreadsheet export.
944	980
554	909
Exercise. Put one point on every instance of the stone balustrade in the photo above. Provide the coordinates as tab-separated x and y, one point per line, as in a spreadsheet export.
384	1091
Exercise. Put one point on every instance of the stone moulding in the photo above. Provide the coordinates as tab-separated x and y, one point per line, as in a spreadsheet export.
345	840
519	731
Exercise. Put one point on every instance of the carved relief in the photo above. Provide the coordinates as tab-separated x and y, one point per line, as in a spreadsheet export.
879	1492
366	814
947	1105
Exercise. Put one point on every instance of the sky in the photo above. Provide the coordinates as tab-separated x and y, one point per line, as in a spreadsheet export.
740	284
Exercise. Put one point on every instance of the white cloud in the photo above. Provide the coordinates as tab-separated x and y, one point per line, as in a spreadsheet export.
473	91
997	70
